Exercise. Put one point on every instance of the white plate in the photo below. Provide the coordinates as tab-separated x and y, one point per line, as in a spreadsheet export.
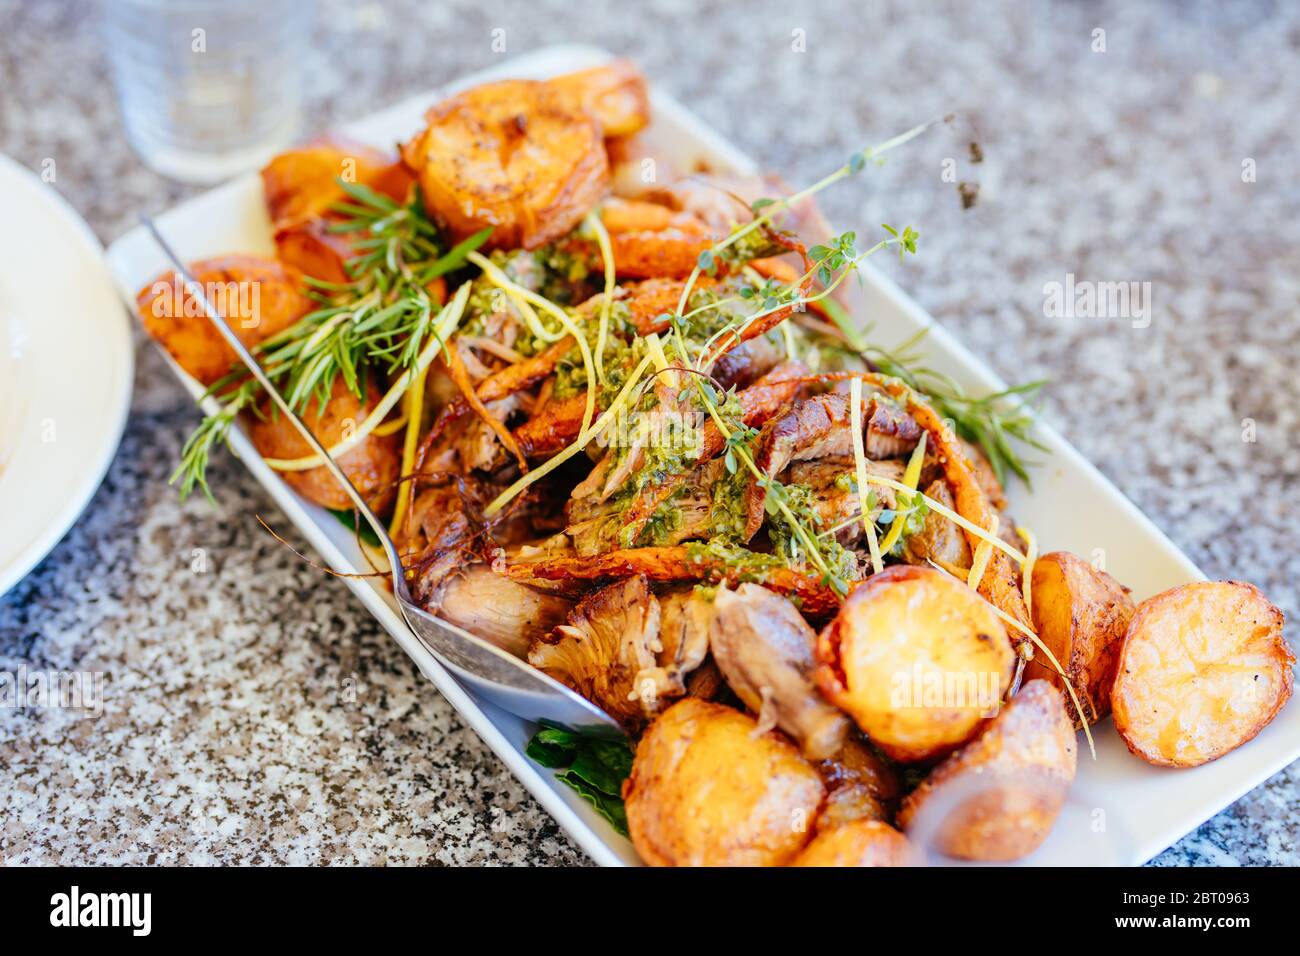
1121	810
65	369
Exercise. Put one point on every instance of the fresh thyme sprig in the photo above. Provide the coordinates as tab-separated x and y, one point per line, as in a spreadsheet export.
993	422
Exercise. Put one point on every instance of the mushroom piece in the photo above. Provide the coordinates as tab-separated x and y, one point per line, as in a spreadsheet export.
686	616
607	652
765	648
497	609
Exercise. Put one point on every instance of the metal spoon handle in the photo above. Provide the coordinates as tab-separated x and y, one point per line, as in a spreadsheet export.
196	289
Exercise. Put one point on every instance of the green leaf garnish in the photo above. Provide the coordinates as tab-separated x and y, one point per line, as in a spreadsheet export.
593	767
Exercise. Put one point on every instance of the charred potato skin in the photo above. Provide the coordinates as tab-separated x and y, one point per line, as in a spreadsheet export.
858	843
1199	610
192	340
873	643
704	791
372	466
1031	745
1081	614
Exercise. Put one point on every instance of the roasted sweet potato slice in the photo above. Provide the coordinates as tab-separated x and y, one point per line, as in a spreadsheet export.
917	659
302	183
257	297
997	797
517	156
1081	614
1203	668
372	466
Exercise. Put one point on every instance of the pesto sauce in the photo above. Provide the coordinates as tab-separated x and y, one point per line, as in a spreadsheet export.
748	565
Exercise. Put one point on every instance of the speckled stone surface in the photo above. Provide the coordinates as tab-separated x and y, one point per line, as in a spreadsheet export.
256	714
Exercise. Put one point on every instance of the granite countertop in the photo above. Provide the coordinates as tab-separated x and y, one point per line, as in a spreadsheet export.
255	713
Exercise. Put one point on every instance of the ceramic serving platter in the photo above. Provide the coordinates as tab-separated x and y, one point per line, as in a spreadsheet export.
1120	811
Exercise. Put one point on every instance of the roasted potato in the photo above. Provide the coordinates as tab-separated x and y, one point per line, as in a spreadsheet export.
997	798
1081	615
859	843
517	155
615	93
917	659
372	466
257	297
706	791
1203	668
302	183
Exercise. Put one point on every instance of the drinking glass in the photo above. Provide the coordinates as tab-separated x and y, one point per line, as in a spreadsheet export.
207	88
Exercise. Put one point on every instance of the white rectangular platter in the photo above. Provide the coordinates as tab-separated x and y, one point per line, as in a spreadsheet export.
1121	810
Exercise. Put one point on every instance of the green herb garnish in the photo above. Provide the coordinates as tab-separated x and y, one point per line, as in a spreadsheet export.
594	767
377	321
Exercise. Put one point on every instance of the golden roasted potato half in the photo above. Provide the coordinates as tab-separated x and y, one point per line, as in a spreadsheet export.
918	659
518	156
302	183
706	791
372	466
616	94
1203	668
997	798
1081	615
257	297
859	843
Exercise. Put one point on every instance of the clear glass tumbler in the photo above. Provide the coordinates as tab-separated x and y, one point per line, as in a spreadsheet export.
207	88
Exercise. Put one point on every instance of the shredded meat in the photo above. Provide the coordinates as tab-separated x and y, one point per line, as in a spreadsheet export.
758	402
835	500
819	427
939	540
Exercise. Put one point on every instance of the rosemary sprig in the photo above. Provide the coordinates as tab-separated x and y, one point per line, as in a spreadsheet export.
212	431
373	324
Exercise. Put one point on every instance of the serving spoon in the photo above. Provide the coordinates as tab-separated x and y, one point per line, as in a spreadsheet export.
503	679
